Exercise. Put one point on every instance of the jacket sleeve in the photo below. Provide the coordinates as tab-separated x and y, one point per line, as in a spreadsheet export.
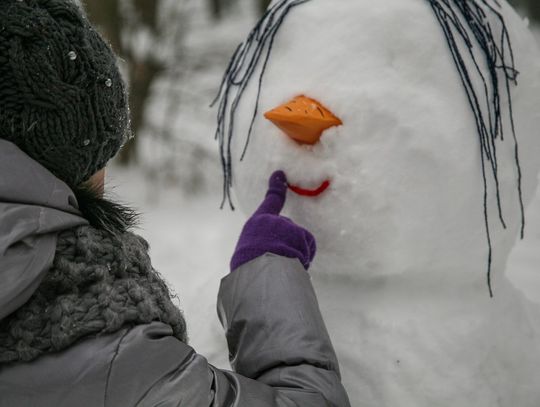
277	337
279	349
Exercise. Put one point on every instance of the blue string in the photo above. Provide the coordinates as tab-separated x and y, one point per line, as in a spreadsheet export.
459	19
258	46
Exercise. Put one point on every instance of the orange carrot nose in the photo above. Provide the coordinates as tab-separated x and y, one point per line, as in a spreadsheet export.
303	119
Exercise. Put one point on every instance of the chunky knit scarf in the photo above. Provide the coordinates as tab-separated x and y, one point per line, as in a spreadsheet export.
99	283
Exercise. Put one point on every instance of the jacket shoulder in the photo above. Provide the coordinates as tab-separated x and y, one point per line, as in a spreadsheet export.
152	367
61	379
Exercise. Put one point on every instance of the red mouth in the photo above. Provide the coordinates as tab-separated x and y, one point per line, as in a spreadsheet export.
310	192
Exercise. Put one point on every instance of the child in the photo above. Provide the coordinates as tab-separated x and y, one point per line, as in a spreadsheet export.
84	318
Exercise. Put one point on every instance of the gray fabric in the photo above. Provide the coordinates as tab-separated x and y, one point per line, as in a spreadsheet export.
98	284
277	339
34	207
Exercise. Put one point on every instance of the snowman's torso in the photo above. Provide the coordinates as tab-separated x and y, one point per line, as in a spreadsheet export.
401	350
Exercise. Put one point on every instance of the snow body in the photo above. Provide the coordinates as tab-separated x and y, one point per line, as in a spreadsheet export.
402	261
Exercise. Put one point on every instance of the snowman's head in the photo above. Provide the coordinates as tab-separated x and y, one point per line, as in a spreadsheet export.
419	143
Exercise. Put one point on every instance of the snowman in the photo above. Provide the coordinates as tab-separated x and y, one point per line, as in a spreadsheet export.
409	133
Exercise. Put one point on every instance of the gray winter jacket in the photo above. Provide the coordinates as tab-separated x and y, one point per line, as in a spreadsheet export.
279	348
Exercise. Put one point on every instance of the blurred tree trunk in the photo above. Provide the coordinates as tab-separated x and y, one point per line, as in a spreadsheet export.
143	74
532	7
216	8
263	5
142	71
106	15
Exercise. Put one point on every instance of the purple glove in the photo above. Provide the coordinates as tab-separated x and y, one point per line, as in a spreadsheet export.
268	232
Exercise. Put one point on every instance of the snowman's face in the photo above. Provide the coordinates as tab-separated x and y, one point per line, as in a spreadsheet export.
406	187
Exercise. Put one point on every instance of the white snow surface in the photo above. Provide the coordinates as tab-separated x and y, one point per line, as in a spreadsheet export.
400	271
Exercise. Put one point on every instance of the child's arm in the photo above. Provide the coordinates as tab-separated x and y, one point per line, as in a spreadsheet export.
277	338
268	307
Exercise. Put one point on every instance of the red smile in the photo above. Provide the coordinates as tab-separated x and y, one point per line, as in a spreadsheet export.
310	192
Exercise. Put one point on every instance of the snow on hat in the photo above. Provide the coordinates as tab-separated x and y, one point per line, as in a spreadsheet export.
62	99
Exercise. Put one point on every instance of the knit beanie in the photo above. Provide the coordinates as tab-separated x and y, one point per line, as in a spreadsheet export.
62	99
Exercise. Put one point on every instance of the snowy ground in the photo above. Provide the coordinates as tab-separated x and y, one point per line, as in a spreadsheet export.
191	238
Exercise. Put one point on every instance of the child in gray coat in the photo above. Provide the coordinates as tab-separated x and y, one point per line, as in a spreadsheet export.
84	318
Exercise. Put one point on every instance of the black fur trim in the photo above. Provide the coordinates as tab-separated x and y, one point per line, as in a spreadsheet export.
103	213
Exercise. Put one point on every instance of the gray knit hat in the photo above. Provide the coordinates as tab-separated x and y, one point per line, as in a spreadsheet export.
62	99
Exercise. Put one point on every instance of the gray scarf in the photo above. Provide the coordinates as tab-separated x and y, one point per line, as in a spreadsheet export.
99	283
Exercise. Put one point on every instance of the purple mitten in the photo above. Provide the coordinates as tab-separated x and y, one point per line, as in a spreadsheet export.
268	232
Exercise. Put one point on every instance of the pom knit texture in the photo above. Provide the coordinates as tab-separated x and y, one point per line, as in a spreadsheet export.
98	284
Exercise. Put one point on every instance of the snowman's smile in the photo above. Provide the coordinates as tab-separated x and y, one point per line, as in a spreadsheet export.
312	193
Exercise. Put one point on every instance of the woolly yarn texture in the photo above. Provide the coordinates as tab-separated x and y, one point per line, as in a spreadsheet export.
98	284
62	98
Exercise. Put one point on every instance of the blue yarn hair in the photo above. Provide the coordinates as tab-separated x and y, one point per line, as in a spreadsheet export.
479	24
